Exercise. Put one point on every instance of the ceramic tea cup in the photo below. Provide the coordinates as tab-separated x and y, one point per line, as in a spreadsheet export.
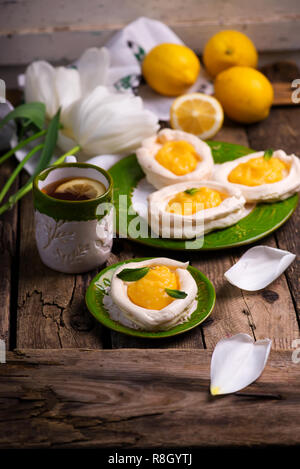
73	236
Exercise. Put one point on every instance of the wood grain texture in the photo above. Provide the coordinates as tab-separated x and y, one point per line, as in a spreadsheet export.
8	258
51	306
283	95
141	398
32	30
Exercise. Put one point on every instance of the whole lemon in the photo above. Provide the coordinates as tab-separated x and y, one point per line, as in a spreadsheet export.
226	49
170	69
245	94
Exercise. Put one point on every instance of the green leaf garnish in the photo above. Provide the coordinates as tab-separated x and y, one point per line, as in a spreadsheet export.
131	275
268	154
191	191
176	293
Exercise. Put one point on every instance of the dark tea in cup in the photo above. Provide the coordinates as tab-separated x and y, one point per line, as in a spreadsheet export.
75	189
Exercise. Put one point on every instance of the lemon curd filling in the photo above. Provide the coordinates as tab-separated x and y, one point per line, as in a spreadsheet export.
198	199
149	291
259	171
179	157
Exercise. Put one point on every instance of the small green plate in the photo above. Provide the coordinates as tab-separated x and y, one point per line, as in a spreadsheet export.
96	291
264	219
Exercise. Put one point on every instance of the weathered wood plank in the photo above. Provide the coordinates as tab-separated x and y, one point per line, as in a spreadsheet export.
8	258
32	30
141	398
51	305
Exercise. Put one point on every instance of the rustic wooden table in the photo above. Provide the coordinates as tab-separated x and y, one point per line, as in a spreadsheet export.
69	382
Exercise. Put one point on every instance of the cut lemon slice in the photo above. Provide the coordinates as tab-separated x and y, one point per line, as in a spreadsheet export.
81	188
198	114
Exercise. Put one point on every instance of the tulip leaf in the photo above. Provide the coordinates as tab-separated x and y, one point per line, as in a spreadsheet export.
33	113
47	151
27	188
132	275
178	294
50	144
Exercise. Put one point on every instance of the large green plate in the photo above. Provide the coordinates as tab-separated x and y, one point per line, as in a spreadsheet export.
264	219
95	293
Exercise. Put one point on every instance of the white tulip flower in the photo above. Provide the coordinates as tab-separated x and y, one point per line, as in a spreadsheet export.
61	86
105	123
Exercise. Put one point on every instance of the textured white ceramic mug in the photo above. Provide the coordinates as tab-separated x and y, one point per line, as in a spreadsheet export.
73	236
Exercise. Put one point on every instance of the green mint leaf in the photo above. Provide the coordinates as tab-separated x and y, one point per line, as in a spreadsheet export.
191	191
268	154
176	293
132	275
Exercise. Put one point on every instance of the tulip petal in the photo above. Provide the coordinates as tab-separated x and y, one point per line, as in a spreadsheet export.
40	86
259	267
67	82
108	123
237	362
65	143
93	68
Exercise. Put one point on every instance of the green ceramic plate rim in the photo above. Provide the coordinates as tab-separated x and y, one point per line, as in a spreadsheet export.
170	244
103	317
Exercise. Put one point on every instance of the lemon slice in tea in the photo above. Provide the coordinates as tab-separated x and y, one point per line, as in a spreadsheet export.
80	189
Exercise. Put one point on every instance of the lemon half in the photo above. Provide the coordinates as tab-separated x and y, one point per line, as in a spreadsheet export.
198	114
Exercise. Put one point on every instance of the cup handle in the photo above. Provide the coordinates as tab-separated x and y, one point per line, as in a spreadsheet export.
70	159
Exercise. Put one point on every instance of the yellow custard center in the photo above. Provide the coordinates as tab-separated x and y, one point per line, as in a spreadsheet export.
178	157
259	171
187	203
149	291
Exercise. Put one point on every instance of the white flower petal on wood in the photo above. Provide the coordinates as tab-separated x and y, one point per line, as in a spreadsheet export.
237	362
259	267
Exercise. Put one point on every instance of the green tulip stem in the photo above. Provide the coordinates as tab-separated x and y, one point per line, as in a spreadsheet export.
17	170
27	188
21	145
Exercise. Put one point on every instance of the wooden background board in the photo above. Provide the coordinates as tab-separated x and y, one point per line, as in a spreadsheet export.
141	399
30	30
